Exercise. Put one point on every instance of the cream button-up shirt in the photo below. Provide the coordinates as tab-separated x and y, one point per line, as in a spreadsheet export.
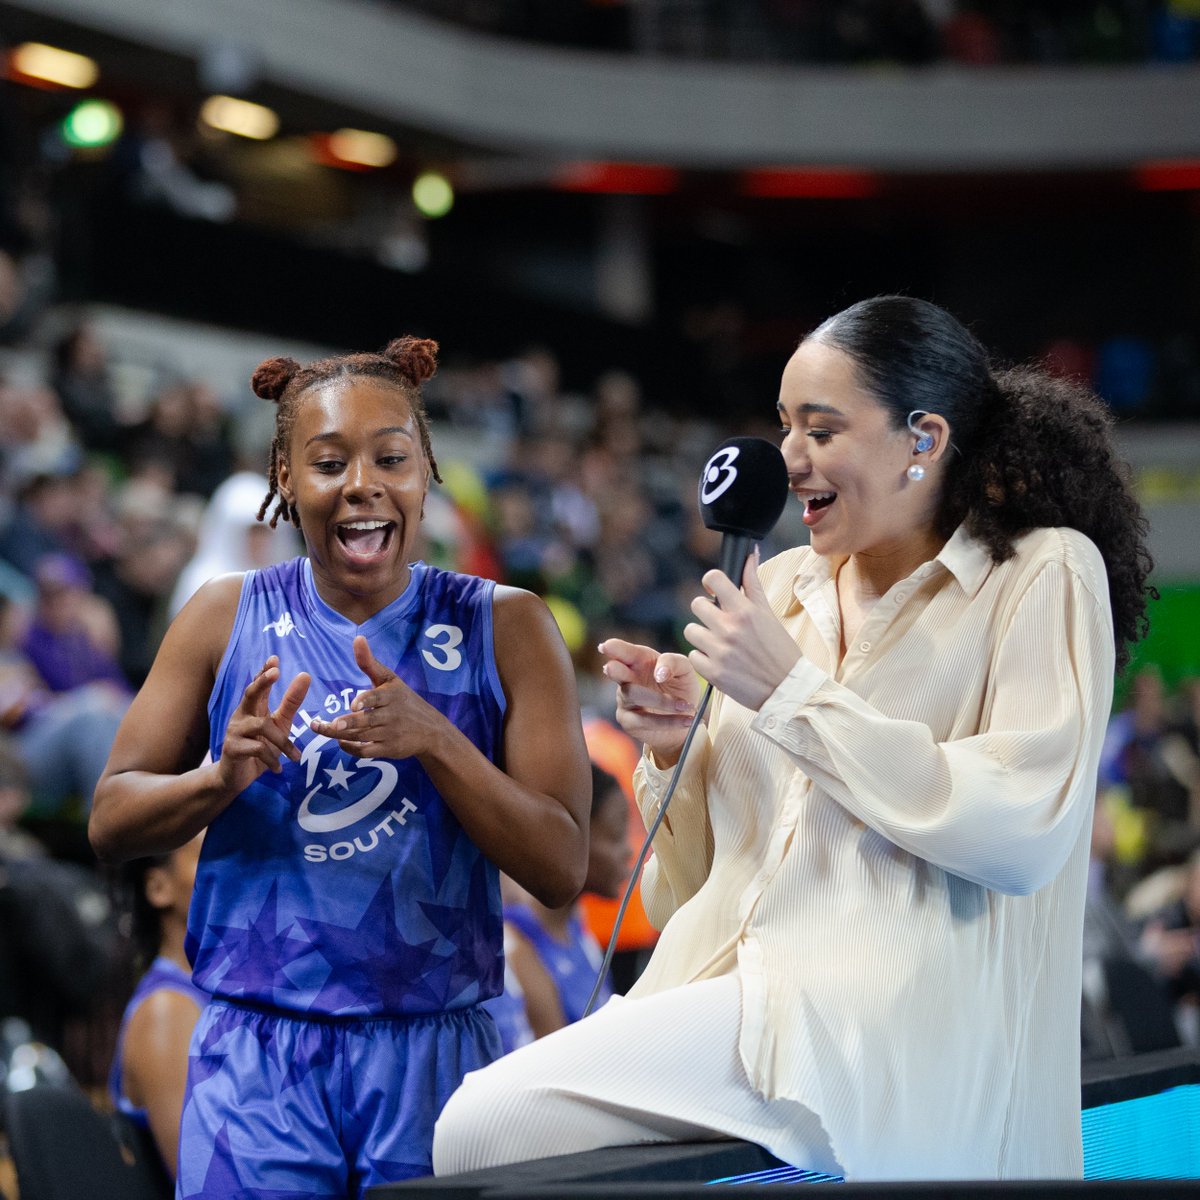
892	854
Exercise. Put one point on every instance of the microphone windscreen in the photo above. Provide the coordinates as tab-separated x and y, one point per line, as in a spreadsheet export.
744	487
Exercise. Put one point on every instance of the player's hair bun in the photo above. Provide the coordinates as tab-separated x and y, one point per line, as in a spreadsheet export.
415	358
272	375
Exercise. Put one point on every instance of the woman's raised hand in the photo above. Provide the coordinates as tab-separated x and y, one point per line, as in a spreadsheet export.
742	647
657	695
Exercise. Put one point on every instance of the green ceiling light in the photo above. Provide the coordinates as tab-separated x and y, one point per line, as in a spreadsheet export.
92	124
432	194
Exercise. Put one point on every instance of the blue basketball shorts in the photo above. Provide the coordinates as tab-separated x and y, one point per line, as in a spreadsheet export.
283	1107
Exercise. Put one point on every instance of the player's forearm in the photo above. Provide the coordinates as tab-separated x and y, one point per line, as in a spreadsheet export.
530	835
136	813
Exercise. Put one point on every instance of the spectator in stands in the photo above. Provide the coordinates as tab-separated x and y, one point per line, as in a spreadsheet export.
560	494
187	434
43	521
1177	928
1181	748
1136	754
213	458
156	535
149	1069
1127	963
97	529
81	379
531	383
523	541
63	738
35	435
230	538
73	638
637	581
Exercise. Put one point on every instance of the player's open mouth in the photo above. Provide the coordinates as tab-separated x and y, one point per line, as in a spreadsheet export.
365	539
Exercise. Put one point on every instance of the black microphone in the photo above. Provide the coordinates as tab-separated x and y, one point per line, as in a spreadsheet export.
743	490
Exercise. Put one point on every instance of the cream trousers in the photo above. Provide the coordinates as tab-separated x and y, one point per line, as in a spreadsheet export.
660	1068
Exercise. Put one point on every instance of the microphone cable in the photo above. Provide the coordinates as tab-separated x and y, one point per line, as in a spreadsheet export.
742	494
645	850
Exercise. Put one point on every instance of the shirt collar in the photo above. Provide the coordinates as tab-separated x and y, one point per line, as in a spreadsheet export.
966	558
815	571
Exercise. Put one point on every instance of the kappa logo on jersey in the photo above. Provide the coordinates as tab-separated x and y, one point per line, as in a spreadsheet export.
283	625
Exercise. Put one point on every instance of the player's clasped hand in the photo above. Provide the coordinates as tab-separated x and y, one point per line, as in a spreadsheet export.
255	737
388	720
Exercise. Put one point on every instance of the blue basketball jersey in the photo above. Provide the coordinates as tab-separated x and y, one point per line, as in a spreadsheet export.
161	975
345	886
572	965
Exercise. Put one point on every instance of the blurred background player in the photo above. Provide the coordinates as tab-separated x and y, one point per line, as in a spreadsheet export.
149	1071
551	957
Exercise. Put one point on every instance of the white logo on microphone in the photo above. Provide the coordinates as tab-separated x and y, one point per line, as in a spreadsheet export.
719	474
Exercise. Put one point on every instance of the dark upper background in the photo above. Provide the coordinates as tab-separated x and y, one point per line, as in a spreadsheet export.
1096	266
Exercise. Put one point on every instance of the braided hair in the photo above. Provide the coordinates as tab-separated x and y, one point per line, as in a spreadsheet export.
405	363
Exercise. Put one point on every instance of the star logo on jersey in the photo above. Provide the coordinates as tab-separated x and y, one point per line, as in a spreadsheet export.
359	791
338	775
373	781
259	957
283	625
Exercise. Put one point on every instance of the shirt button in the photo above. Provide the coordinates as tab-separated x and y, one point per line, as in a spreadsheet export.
864	646
770	722
899	597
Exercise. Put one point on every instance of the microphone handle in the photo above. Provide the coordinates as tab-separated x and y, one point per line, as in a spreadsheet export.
735	549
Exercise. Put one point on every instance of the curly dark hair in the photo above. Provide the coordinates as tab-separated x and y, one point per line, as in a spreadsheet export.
405	362
1029	450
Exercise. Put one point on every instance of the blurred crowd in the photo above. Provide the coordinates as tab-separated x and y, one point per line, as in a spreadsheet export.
1142	922
912	32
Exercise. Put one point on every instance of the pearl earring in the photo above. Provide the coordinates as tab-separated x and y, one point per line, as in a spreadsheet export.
916	472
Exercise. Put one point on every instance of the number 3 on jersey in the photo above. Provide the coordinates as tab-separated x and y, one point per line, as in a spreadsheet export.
444	655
